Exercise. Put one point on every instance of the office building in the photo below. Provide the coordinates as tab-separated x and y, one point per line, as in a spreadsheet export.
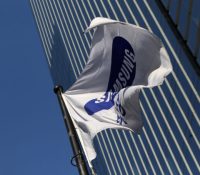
169	142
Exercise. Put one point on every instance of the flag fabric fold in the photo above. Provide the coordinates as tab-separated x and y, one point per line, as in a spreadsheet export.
124	58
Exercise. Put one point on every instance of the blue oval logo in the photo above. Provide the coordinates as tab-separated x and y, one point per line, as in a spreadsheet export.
122	74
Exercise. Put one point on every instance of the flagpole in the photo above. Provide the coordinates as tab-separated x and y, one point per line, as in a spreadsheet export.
80	162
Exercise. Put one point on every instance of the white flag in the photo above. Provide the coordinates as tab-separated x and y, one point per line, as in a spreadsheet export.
124	58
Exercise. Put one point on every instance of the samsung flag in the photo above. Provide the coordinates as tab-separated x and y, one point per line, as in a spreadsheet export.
124	58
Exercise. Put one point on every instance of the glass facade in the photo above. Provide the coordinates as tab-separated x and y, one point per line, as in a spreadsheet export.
169	142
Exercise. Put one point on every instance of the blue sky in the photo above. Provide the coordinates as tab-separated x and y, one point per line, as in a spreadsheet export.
33	138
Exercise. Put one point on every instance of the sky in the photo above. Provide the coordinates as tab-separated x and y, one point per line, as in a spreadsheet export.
33	137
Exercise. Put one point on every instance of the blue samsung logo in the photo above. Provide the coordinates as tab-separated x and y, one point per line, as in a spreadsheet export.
122	74
123	65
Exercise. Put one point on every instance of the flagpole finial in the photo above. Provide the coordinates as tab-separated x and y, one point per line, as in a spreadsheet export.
58	88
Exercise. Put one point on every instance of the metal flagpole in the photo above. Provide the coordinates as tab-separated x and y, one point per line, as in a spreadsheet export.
80	162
